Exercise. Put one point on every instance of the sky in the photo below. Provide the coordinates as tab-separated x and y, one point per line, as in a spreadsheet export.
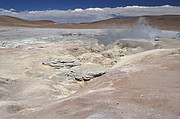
76	11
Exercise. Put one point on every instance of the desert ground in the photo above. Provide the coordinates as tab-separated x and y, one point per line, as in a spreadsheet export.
55	73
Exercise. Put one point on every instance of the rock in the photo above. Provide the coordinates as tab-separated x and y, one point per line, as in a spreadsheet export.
62	77
19	46
55	61
61	63
121	54
57	65
87	71
30	48
108	54
6	44
79	76
46	63
66	61
92	73
75	69
72	64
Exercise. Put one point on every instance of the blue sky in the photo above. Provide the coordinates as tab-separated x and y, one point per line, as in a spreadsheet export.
76	11
22	5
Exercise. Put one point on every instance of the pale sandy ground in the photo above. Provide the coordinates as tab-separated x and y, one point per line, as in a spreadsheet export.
144	85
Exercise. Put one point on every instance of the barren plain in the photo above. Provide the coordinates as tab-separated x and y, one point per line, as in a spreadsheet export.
124	73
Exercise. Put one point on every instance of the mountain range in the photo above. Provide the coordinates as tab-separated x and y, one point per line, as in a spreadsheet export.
163	22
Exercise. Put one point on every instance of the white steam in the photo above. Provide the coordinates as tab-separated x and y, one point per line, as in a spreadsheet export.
140	31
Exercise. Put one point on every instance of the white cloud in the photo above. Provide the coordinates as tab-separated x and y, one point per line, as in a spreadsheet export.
91	14
135	6
8	12
94	9
78	10
12	9
166	6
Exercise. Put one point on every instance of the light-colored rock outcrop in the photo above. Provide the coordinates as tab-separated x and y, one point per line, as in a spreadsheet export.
87	71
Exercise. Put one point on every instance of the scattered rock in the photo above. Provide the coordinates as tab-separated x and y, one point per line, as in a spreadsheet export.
61	63
19	46
6	44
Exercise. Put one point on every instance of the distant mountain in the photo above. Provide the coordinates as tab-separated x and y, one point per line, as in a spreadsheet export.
14	21
43	22
164	22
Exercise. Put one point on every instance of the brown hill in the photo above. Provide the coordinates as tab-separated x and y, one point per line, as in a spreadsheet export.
164	22
43	22
14	21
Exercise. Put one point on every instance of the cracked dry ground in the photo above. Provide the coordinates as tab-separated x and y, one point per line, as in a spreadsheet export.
140	86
